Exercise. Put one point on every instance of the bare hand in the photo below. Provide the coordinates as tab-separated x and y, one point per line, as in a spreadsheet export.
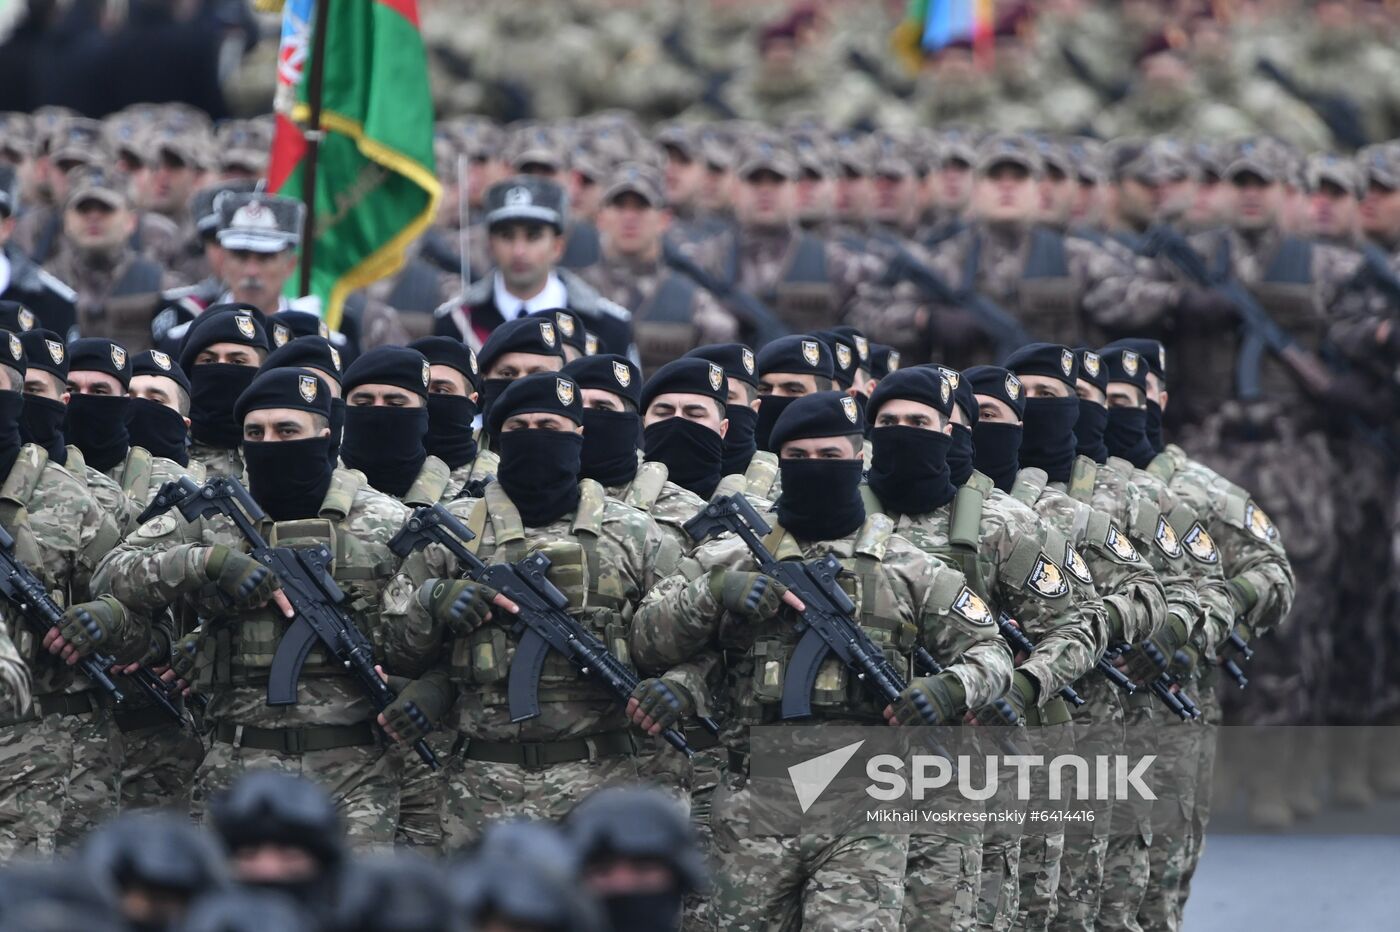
280	599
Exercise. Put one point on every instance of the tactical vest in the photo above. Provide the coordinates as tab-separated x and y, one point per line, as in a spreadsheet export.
430	485
16	492
244	647
1145	518
1047	299
757	481
802	297
595	588
645	488
664	326
134	475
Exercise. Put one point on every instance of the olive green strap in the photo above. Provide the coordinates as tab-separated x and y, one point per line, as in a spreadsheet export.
1082	479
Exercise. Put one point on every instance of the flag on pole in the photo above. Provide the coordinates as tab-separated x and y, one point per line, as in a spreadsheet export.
376	187
931	25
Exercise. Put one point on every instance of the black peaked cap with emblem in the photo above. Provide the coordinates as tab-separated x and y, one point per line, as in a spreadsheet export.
313	352
527	197
1048	359
541	393
736	359
1091	368
799	355
688	376
1125	365
98	354
154	362
223	323
884	360
568	325
926	386
533	335
44	349
288	325
398	366
609	373
445	351
15	317
845	358
821	414
1001	384
285	388
1152	352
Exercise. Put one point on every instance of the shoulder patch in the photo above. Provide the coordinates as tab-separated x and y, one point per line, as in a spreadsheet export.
1259	524
970	606
1118	544
1046	578
158	526
1166	540
1200	545
1076	565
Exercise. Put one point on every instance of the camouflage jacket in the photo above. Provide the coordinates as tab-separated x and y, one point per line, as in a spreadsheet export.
635	284
15	693
905	598
760	482
105	490
162	564
669	505
1251	553
604	557
1006	552
141	475
217	461
484	467
62	539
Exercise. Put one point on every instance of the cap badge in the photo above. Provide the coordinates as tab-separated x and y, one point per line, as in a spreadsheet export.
747	355
1013	386
622	373
118	356
848	405
55	351
1066	362
245	326
306	384
1130	362
811	352
564	390
160	359
547	333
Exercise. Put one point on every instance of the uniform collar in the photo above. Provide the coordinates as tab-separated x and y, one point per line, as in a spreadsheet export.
551	296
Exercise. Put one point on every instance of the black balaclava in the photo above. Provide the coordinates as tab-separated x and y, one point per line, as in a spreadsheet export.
450	437
610	446
1048	441
769	409
41	422
644	912
693	453
289	478
540	472
159	429
491	390
996	447
909	472
1154	426
386	444
97	427
214	387
820	499
739	442
337	421
961	459
1088	430
11	404
1127	436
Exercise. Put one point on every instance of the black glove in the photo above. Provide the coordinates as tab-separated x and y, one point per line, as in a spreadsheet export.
90	626
751	596
1150	659
408	714
244	580
184	657
665	701
1010	709
931	700
459	604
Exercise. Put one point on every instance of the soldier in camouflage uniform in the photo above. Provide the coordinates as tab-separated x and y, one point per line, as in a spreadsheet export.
62	754
327	735
220	354
788	368
754	470
517	348
604	556
318	356
454	397
718	604
159	416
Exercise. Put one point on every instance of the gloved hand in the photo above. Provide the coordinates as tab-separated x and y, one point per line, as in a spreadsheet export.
184	657
665	702
460	604
751	596
244	580
91	626
1018	698
408	715
1184	662
1242	595
1147	661
1207	308
930	700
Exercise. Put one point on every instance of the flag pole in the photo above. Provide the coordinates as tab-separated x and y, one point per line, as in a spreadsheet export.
313	135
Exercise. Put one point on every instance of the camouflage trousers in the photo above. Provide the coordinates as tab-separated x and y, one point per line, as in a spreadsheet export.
1174	821
159	767
364	781
707	770
1000	894
1127	860
815	883
59	778
420	797
1208	699
942	881
476	793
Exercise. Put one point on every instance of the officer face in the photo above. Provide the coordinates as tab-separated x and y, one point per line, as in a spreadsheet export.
699	409
597	399
279	424
445	380
902	412
1331	211
1255	203
44	385
631	226
1042	386
791	384
518	365
822	448
525	252
1125	395
765	200
1088	391
1380	212
541	421
94	224
995	411
257	278
172	182
87	382
1006	193
375	395
162	391
234	354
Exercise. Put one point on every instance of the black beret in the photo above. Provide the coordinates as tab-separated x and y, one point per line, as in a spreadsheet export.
796	354
856	339
1152	352
445	351
1125	365
736	359
844	356
306	352
44	349
285	326
389	365
691	376
1048	359
1000	384
883	360
223	323
541	393
522	335
13	355
154	362
609	373
926	386
285	388
98	354
1091	368
568	325
822	414
15	317
962	392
